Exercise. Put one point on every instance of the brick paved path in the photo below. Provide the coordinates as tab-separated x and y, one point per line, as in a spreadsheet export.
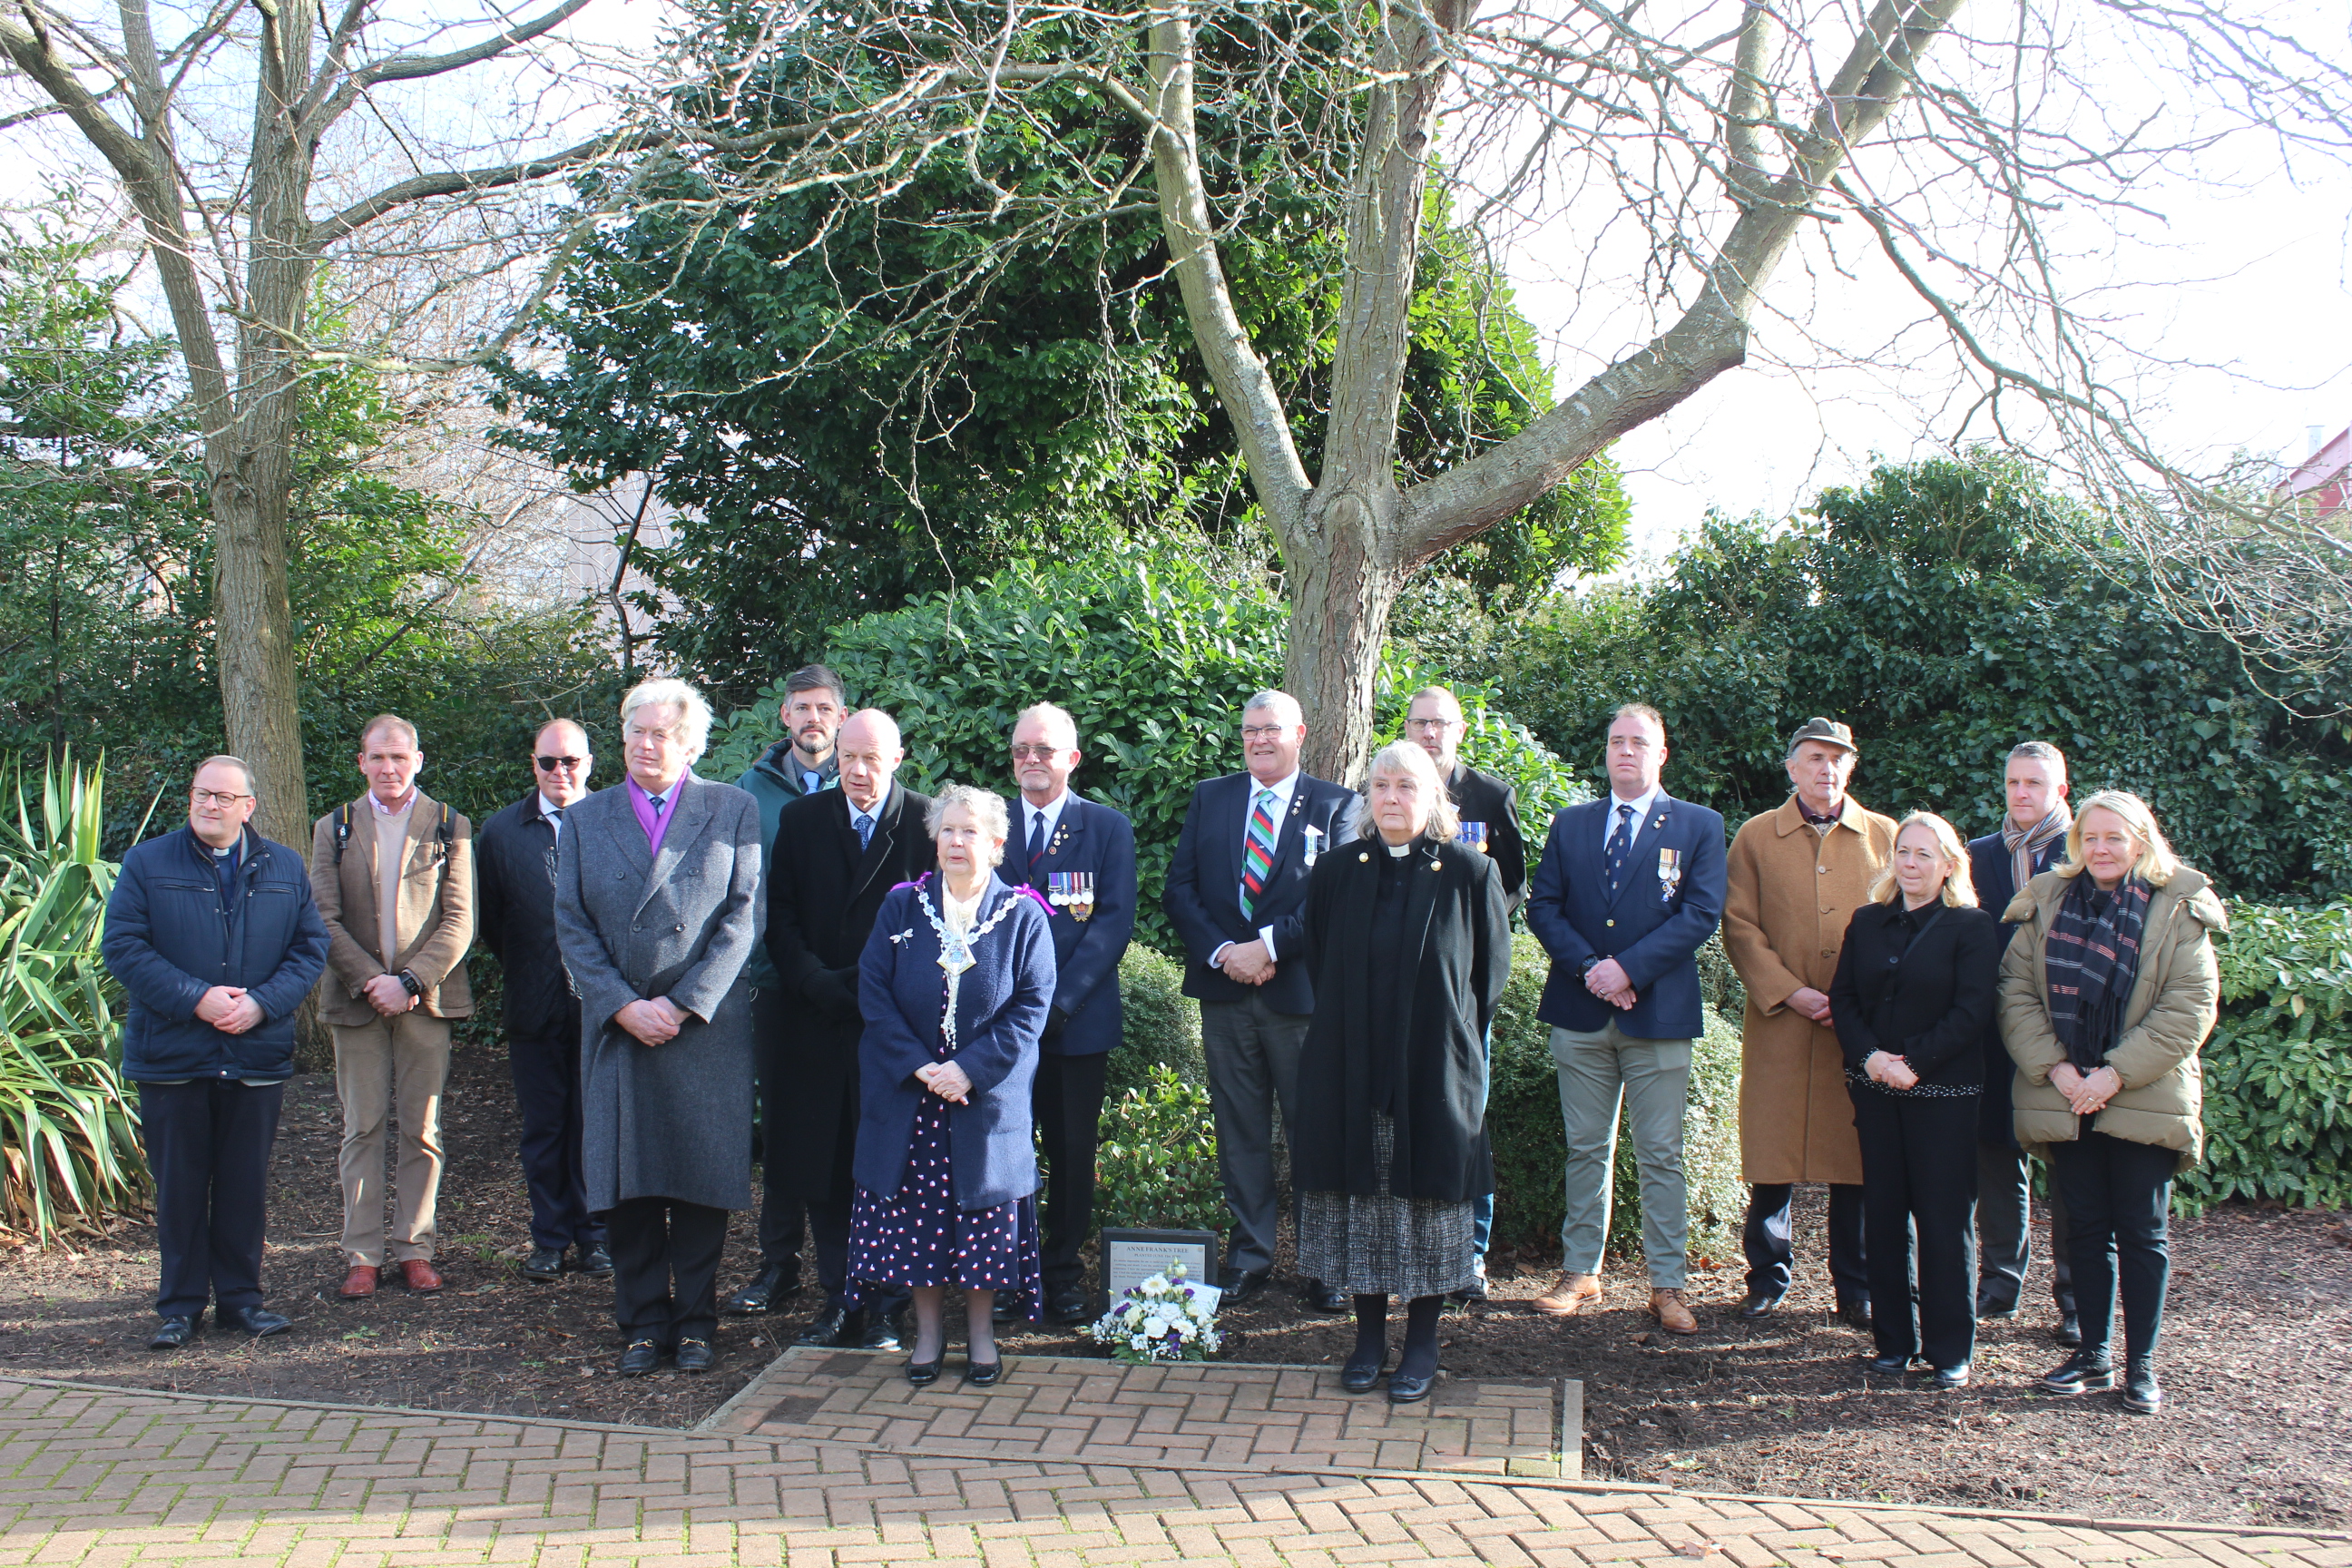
107	1478
1224	1415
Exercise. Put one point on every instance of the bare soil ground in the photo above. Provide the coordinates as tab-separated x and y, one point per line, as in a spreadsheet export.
2257	1356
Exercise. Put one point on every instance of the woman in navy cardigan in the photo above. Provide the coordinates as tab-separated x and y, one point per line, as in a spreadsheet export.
954	987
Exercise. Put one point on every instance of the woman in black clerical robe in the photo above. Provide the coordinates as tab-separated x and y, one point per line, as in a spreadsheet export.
1409	943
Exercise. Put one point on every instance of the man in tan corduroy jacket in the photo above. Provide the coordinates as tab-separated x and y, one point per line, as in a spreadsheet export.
393	873
1796	876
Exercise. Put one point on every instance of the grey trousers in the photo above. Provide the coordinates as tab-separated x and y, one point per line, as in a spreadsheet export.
2005	1231
1253	1056
1599	1072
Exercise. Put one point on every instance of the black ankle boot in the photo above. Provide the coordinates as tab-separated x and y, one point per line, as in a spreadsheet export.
2085	1370
2141	1394
1417	1363
1371	1356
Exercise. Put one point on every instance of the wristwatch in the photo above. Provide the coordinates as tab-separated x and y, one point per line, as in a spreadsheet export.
414	987
1590	965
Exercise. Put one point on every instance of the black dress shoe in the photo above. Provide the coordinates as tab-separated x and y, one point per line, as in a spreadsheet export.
1002	1311
695	1356
640	1358
2141	1394
1360	1377
544	1265
257	1321
1757	1304
2079	1373
596	1262
1068	1306
1322	1298
886	1331
173	1332
2069	1331
1240	1284
836	1326
1403	1390
1854	1315
1952	1377
768	1289
923	1374
982	1373
1890	1366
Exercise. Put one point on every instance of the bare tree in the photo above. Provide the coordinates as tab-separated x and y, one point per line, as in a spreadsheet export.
240	220
1701	148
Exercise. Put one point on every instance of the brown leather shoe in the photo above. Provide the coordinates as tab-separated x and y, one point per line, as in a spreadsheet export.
1674	1313
418	1275
1570	1297
360	1283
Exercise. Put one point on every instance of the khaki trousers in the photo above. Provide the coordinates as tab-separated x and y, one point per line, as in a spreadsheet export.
401	1060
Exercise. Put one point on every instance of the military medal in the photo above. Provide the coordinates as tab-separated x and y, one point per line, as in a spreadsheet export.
1314	839
1670	874
1472	835
1072	891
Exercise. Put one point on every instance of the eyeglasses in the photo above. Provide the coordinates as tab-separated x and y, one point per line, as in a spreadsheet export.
220	798
549	764
1264	731
1042	753
1433	726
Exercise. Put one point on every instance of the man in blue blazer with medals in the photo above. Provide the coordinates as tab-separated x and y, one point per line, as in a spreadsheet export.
1080	855
1630	887
1236	892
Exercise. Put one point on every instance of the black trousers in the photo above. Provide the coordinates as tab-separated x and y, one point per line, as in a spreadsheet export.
546	1091
1918	1208
2005	1230
1771	1256
1065	1101
782	1229
208	1143
666	1268
2118	1197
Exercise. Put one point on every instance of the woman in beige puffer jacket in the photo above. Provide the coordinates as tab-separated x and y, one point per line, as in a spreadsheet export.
2108	989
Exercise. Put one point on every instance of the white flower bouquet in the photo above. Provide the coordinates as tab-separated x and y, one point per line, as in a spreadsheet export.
1165	1318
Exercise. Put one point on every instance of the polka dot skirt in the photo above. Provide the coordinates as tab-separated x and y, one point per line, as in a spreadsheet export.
920	1238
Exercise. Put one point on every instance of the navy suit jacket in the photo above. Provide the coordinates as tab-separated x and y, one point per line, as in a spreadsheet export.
1995	875
1097	841
1203	894
1653	932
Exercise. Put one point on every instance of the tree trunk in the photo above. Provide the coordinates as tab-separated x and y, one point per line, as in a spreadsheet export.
1341	594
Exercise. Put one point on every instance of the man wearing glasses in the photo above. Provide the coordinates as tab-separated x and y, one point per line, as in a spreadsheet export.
1079	856
1236	893
515	855
393	872
212	933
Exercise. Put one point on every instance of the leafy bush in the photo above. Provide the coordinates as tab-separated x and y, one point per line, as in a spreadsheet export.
1530	1142
1160	1026
69	1153
1150	650
2278	1070
1157	1164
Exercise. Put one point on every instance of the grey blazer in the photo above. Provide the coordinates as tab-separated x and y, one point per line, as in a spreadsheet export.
663	1120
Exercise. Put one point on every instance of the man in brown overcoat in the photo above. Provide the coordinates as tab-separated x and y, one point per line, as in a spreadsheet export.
1797	875
392	874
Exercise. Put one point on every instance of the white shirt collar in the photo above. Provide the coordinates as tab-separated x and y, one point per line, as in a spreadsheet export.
879	804
550	813
1052	814
384	810
1642	808
1282	791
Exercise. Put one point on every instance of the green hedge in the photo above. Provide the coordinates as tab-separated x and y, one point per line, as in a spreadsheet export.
2278	1070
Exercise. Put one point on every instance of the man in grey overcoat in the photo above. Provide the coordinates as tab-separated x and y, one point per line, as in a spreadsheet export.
655	912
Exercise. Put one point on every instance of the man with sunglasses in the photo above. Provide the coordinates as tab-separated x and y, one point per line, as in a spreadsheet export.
212	933
516	854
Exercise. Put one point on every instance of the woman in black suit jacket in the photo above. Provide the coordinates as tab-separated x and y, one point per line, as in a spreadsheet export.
1916	984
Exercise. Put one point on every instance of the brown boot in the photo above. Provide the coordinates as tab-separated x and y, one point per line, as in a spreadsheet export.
419	1276
1674	1313
1570	1297
360	1283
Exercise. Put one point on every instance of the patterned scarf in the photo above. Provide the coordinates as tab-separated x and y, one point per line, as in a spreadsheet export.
2092	957
2024	843
1815	820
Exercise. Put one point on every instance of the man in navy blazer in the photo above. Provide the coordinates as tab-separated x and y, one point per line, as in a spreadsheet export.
1235	894
1630	886
1080	856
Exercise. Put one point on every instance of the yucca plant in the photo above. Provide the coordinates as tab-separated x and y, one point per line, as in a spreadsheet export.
69	1153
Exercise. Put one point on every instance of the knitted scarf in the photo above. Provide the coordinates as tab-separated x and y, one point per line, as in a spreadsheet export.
2092	957
2024	843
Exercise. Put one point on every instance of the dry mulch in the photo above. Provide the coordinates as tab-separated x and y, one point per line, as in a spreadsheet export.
2257	1357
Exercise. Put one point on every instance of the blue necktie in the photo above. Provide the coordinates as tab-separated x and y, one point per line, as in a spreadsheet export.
1037	844
1620	843
658	802
865	830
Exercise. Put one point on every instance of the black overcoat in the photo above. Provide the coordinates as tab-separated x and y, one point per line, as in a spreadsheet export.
824	892
514	914
1922	990
1457	925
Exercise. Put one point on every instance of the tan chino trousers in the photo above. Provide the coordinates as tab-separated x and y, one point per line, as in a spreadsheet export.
400	1060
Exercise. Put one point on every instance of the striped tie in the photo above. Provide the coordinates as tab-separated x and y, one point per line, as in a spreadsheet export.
1257	850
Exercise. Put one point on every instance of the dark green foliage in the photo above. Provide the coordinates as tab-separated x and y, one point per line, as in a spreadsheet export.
1160	1025
1157	1164
1153	654
1523	1123
2278	1070
1947	610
